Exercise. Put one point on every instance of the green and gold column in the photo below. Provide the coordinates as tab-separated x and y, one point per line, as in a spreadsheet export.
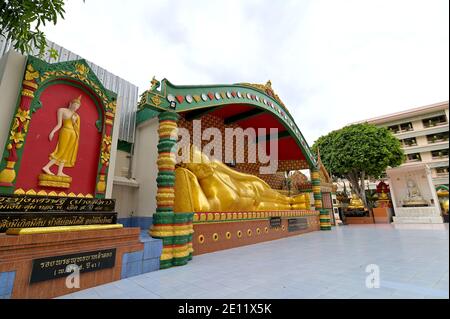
324	216
175	229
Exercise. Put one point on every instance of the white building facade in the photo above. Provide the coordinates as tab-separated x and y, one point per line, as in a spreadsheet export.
423	132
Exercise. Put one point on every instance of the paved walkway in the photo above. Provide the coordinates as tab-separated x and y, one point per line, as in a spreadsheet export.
413	263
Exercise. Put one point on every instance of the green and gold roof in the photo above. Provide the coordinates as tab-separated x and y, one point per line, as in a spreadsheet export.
255	100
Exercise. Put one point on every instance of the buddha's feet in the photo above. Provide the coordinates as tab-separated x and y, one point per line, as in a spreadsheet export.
63	175
47	171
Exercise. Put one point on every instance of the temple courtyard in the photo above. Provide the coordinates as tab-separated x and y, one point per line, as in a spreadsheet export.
413	262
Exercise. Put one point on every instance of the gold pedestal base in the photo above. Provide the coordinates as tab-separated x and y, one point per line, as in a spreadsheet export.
415	203
59	229
47	180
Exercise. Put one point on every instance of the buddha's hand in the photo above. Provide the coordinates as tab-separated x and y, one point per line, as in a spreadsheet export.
50	137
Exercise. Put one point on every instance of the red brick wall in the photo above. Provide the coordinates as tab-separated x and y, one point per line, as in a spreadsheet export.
18	252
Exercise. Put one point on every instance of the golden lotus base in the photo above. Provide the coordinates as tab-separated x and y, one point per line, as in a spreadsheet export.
47	180
59	229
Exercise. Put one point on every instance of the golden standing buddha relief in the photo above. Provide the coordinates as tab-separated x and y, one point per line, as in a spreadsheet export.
65	153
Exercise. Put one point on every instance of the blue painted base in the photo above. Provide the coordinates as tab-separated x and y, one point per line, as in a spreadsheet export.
6	284
143	261
136	221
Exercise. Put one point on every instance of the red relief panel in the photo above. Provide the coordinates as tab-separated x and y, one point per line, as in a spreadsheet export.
37	147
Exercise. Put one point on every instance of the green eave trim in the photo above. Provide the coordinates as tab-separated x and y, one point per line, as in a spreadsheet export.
124	146
154	101
145	114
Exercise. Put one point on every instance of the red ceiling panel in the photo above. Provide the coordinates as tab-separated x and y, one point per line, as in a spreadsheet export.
287	149
287	146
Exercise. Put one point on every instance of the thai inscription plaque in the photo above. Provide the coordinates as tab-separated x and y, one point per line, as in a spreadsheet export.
61	266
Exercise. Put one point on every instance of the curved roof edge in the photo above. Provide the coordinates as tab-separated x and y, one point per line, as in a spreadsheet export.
193	97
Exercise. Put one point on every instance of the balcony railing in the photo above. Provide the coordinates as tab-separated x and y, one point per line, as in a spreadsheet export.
433	124
413	160
409	145
439	156
437	140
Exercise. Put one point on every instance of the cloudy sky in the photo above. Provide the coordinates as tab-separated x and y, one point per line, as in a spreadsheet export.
331	62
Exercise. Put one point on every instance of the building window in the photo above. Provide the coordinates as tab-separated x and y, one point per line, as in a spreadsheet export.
408	142
434	121
406	127
394	129
438	137
439	154
414	157
442	170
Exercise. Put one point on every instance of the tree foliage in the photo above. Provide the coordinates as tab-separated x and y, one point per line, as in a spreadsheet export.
21	22
359	151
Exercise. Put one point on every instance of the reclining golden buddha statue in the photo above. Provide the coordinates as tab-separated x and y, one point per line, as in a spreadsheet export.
208	185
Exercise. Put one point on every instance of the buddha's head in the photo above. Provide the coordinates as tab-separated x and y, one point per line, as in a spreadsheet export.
201	170
75	104
410	183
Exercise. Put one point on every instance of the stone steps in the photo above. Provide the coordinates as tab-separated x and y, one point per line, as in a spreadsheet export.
418	220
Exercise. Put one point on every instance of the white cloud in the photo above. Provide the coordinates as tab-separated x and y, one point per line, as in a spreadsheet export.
332	62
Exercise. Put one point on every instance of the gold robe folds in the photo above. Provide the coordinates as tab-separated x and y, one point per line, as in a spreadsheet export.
67	148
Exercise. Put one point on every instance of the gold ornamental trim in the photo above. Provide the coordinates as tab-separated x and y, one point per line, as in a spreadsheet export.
27	93
59	229
30	84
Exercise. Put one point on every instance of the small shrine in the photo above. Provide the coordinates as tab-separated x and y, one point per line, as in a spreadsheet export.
382	212
413	195
356	212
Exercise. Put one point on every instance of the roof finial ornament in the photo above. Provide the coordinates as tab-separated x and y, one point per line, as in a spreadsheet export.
155	84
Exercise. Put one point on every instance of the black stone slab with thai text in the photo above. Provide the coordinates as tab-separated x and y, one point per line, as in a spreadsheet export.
31	203
296	224
51	219
275	222
61	266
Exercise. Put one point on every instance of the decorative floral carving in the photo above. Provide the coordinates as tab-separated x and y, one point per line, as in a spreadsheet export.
105	158
31	73
111	107
23	115
107	140
81	69
17	137
156	100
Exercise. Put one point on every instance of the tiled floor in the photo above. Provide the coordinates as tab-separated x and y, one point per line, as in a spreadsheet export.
413	263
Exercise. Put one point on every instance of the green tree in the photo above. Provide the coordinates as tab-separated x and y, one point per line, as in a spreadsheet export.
21	22
359	151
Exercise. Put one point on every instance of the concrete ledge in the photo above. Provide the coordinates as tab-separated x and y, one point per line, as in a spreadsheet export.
123	181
